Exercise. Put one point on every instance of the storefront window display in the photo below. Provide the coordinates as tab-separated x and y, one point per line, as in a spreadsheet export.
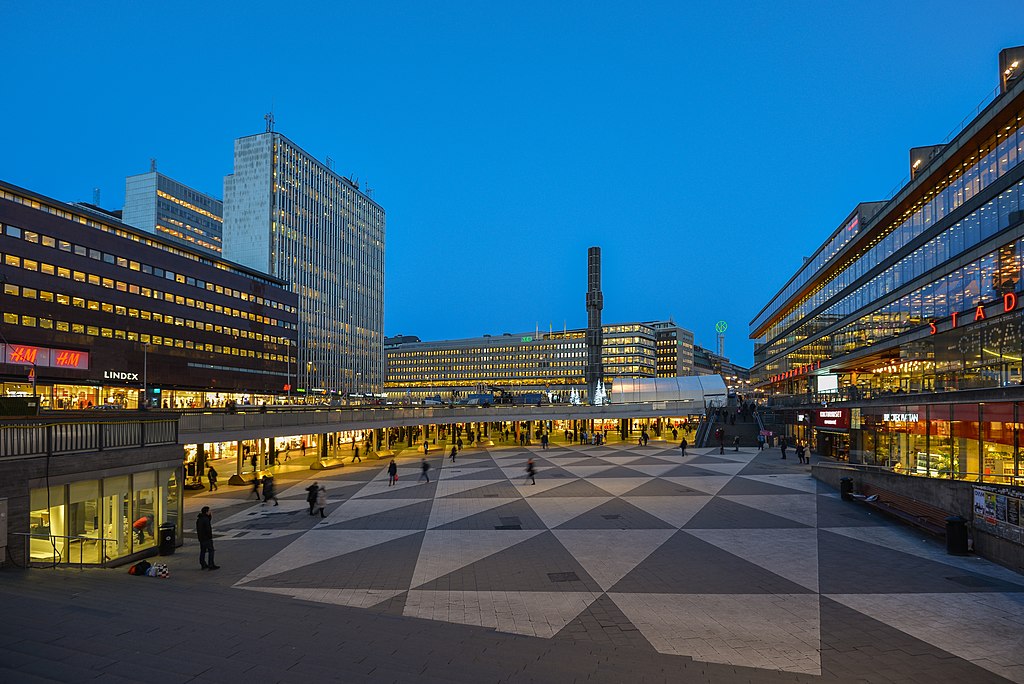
95	521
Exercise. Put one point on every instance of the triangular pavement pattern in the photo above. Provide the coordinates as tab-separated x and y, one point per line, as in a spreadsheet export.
617	486
502	490
659	487
675	510
445	551
531	613
603	618
724	514
800	508
616	514
356	598
319	545
572	488
591	549
723	468
404	489
554	512
450	487
743	485
792	554
653	470
531	565
716	628
447	511
515	512
803	483
707	485
361	508
414	517
686	564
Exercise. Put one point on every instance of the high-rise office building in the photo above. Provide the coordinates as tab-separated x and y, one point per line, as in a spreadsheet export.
161	205
290	215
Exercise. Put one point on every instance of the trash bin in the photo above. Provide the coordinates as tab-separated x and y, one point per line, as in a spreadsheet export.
956	536
167	539
846	488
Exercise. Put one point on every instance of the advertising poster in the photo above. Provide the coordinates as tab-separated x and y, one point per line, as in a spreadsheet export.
990	507
999	511
979	503
1012	511
1000	508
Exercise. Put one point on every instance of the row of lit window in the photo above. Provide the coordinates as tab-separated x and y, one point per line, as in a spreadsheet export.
130	288
190	207
96	331
117	309
137	237
187	238
132	265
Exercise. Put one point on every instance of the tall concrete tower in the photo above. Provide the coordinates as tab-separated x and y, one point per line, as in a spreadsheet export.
595	302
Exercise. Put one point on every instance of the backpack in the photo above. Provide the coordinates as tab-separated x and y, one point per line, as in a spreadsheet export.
139	568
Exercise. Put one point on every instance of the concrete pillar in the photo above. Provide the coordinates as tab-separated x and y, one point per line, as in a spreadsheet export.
323	446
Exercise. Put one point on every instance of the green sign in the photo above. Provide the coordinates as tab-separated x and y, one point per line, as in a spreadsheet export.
720	326
528	338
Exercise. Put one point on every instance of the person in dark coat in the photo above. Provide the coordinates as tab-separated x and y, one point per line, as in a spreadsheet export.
392	473
782	445
735	443
212	477
424	467
204	530
531	472
682	446
268	489
311	495
355	455
455	451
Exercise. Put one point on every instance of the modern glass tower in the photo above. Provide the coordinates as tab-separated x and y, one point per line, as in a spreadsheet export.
290	215
173	210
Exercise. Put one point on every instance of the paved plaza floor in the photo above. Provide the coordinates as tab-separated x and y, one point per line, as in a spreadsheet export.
622	563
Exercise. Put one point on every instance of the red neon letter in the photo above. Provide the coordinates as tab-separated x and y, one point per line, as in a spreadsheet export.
931	324
979	313
1009	301
955	314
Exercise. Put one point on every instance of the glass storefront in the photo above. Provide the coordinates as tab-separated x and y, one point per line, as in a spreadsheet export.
97	521
975	442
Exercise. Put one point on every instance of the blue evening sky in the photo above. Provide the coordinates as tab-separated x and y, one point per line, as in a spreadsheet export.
705	147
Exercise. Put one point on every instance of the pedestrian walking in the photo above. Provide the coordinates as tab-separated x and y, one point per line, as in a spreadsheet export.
204	530
531	472
675	434
321	500
392	473
424	467
268	489
800	451
760	442
782	445
256	486
544	441
211	476
451	456
355	456
458	443
311	491
682	446
736	442
426	447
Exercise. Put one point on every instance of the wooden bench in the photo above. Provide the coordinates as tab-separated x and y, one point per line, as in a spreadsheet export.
917	513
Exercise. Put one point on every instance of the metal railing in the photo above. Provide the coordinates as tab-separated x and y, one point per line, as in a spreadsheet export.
58	557
42	437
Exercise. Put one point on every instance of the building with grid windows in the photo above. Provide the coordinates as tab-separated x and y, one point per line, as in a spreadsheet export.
290	215
529	362
95	309
675	349
172	210
906	323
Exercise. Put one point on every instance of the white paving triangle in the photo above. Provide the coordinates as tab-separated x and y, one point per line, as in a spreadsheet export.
449	487
539	614
789	553
259	512
445	551
380	485
802	508
319	545
709	484
724	468
527	489
447	511
982	627
675	510
654	470
587	470
619	460
360	508
737	629
730	456
357	598
803	483
556	510
609	555
617	486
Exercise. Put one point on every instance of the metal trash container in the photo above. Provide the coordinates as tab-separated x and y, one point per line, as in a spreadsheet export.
956	536
846	488
167	539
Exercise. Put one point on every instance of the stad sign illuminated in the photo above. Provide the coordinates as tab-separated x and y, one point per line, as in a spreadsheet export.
1009	304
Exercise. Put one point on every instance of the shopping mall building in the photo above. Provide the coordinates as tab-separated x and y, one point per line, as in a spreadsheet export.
899	342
